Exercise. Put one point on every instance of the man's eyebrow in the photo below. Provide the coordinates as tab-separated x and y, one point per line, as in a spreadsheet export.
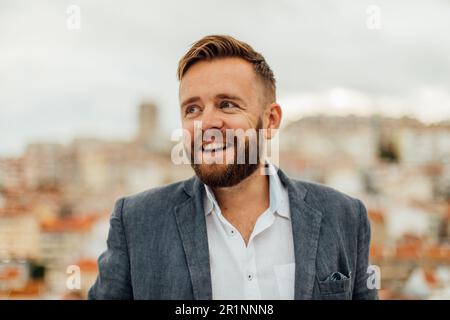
189	100
229	97
218	96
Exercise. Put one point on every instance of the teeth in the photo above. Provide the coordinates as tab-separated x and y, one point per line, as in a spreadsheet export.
213	146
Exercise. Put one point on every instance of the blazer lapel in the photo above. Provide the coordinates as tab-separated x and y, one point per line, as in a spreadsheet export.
305	228
191	224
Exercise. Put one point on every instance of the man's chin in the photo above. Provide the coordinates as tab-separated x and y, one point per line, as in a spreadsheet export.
223	175
212	174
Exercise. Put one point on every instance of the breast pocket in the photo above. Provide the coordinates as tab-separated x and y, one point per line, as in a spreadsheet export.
337	286
285	275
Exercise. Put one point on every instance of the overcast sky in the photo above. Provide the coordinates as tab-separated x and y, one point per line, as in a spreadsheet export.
57	83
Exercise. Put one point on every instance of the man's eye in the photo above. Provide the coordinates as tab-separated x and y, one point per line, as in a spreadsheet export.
191	109
227	105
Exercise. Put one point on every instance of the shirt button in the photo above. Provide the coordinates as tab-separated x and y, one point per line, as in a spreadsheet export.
232	232
250	277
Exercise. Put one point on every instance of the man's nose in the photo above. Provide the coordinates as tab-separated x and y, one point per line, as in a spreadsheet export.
211	119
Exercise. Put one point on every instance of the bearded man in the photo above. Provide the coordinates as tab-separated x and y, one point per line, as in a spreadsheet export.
239	228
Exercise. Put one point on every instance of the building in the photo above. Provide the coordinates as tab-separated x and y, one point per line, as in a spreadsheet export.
42	165
434	145
12	173
330	139
19	234
149	134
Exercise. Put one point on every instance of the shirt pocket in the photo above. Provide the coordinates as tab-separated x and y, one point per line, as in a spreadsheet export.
285	276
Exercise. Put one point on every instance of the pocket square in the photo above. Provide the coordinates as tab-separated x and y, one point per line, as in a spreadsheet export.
336	276
335	283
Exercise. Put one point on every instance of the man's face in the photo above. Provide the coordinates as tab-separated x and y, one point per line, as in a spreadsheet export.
224	94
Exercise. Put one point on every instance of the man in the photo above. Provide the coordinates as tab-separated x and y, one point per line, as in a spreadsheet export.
231	232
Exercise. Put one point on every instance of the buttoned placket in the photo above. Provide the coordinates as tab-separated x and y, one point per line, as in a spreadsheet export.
247	254
251	285
245	257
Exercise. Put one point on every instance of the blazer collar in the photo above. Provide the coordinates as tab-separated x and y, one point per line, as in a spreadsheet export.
305	220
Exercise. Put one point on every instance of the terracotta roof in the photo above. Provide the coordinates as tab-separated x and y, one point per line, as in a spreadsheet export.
377	251
9	273
87	265
376	216
72	224
438	252
430	277
13	211
411	250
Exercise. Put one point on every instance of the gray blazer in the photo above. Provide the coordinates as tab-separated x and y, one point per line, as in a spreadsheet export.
158	248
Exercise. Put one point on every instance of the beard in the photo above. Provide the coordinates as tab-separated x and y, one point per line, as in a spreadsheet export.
221	175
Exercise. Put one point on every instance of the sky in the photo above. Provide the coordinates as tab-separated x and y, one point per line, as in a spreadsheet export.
328	56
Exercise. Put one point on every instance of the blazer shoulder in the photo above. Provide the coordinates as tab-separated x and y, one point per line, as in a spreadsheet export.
324	192
158	198
331	201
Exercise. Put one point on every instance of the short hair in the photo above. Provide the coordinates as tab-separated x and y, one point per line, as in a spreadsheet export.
222	46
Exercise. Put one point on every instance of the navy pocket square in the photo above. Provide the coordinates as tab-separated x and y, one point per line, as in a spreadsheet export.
336	276
335	283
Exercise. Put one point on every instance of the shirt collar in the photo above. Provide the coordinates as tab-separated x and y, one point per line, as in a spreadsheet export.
209	202
279	199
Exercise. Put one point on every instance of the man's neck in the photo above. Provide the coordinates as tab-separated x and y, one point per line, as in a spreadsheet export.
243	203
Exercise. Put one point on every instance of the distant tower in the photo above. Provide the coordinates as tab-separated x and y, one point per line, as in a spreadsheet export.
147	123
148	131
147	120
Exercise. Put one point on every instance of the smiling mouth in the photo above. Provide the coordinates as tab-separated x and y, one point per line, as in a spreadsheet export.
214	147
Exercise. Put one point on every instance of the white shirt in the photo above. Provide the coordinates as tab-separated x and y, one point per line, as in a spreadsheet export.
265	269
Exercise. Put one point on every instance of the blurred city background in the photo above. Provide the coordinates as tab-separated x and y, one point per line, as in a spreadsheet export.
88	101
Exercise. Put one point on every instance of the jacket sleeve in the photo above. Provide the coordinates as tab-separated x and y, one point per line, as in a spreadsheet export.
364	288
113	280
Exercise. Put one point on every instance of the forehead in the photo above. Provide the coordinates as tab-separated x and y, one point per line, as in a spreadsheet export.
222	75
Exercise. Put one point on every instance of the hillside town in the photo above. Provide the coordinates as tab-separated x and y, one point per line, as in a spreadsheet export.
55	200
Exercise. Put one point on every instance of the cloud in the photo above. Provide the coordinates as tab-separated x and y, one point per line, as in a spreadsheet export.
55	81
427	103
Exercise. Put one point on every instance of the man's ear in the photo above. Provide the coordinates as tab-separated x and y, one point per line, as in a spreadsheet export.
273	115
